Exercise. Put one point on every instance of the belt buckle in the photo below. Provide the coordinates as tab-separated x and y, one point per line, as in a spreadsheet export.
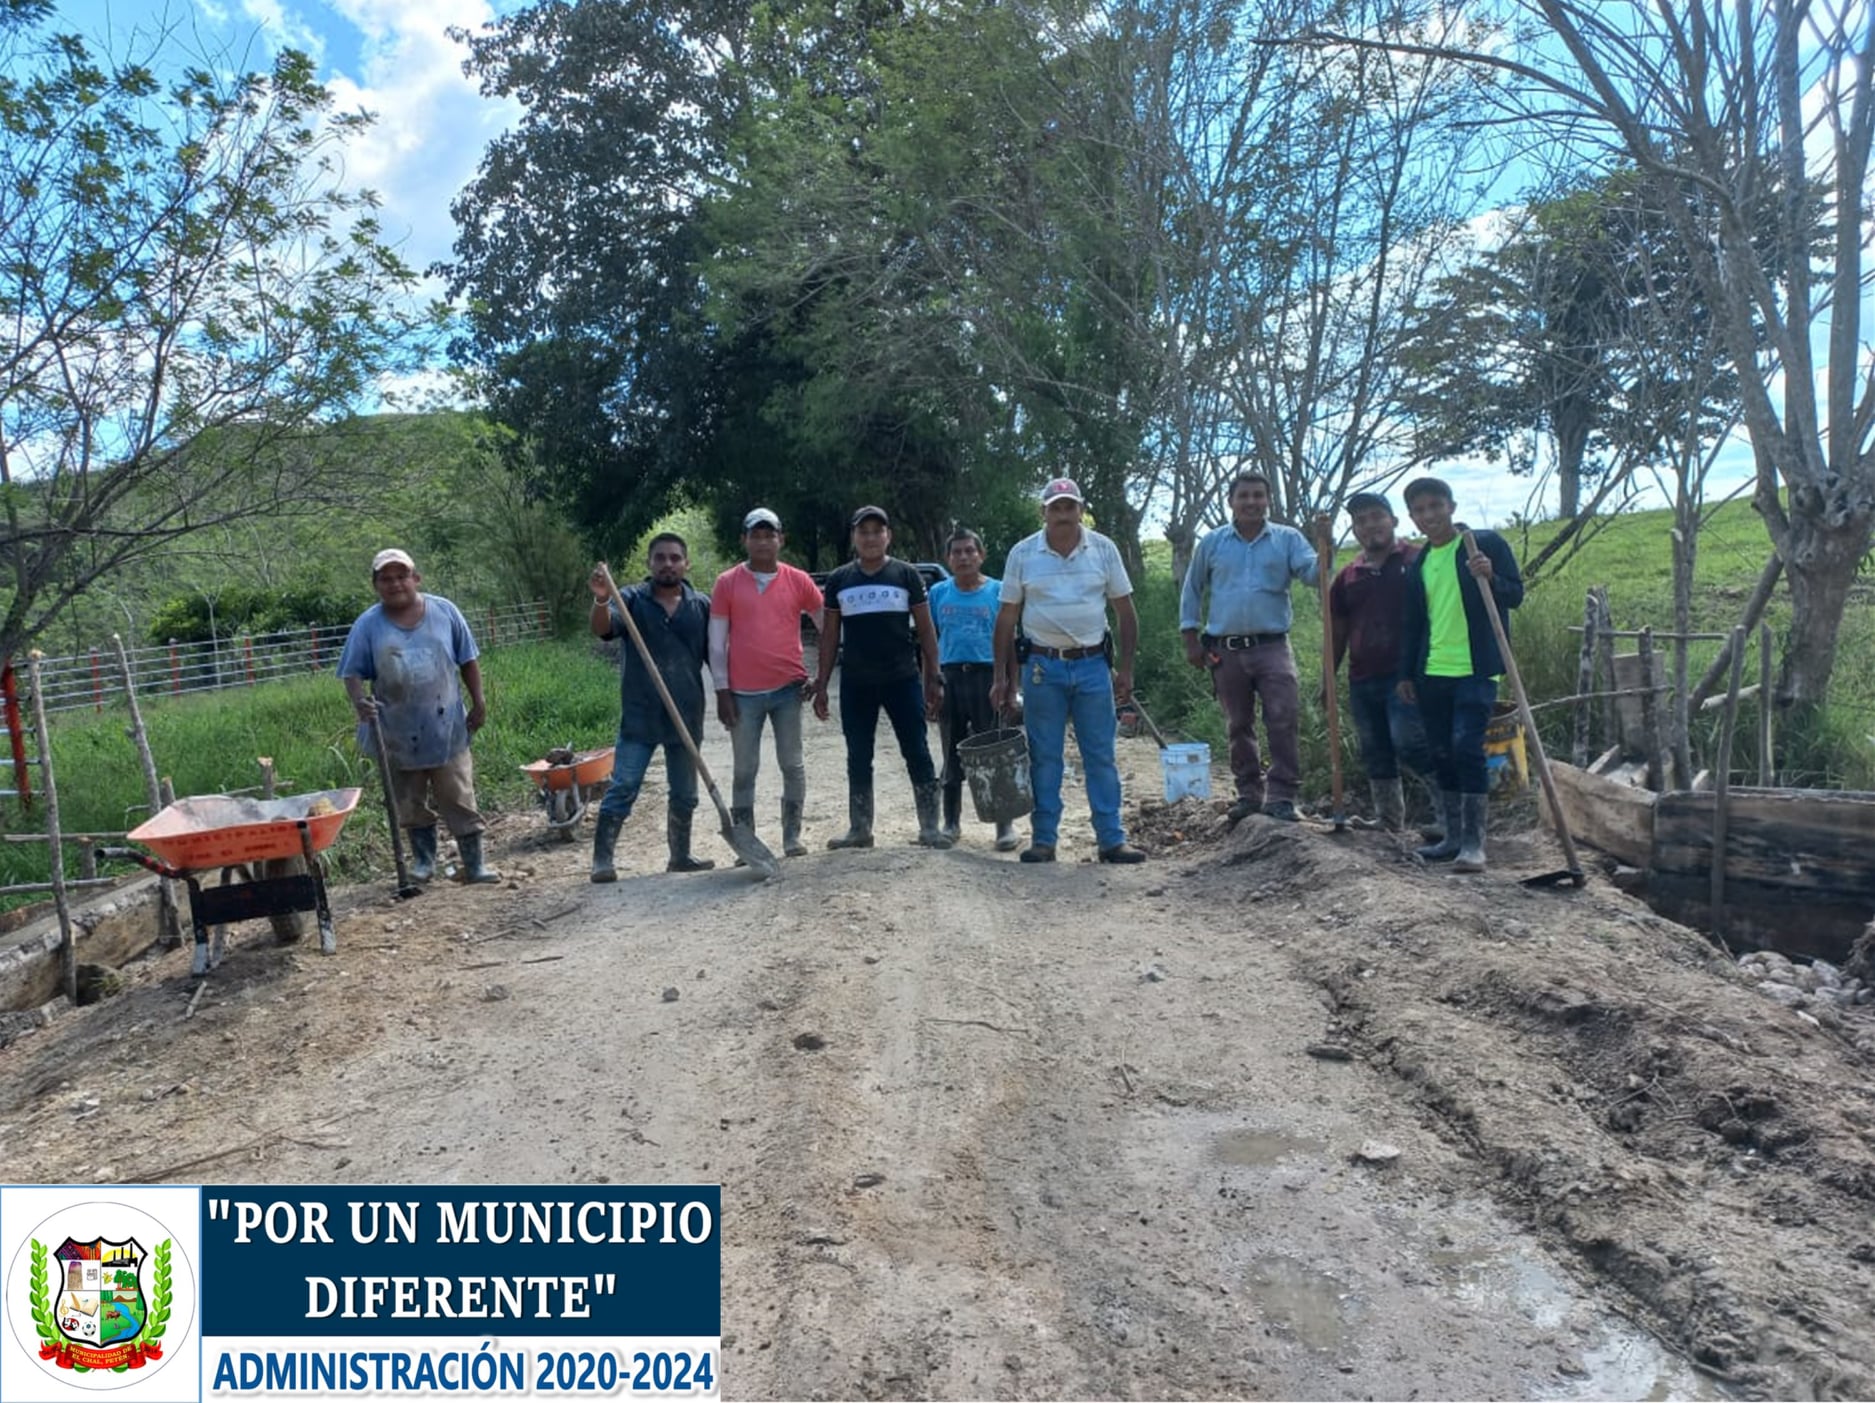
1240	642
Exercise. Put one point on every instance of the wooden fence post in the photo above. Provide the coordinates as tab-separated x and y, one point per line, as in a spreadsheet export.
97	682
1767	772
175	670
1650	716
1585	684
168	910
1721	789
22	771
68	946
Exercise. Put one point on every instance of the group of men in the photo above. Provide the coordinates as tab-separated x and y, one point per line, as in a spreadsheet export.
1423	660
1056	637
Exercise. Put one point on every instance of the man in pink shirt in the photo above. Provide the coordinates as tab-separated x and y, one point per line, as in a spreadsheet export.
755	657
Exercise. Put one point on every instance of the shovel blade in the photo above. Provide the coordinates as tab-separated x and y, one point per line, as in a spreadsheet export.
751	849
1567	876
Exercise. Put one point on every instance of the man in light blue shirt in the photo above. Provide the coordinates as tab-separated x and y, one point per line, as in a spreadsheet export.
964	608
1234	616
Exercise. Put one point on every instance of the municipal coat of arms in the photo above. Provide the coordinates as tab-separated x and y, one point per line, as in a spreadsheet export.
90	1305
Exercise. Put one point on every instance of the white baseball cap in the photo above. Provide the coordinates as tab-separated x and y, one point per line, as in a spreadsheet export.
761	516
392	557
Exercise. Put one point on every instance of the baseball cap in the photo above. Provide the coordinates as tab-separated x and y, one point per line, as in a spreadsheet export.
761	516
392	557
867	513
1062	487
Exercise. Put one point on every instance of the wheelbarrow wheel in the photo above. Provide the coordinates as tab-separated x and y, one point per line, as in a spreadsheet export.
289	927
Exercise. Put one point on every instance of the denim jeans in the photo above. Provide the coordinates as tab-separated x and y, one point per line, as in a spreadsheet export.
1390	730
1457	710
903	703
631	758
1055	691
745	738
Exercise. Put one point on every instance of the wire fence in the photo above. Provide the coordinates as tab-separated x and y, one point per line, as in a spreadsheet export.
93	680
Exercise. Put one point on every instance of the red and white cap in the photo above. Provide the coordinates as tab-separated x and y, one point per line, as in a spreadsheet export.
1063	487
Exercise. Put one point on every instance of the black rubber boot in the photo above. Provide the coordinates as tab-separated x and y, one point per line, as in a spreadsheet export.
677	834
1474	812
742	818
605	831
791	844
930	834
474	872
953	811
422	853
1447	847
858	819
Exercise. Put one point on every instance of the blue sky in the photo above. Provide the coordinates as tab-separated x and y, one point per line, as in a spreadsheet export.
393	58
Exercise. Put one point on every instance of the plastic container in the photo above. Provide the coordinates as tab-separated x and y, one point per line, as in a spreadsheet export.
1187	767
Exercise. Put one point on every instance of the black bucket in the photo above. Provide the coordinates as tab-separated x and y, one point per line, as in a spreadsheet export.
997	765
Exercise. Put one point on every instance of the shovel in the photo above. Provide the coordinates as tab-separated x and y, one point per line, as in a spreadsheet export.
1330	700
405	887
1573	873
1146	721
742	841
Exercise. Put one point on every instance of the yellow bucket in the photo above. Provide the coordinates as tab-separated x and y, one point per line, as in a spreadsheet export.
1504	753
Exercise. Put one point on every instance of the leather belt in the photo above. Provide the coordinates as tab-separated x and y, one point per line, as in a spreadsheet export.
1238	642
1067	655
967	667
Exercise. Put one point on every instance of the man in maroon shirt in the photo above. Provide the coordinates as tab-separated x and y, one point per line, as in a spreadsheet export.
1367	608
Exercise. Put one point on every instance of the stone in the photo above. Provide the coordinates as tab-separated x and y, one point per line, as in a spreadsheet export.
671	994
1826	971
1377	1152
1788	995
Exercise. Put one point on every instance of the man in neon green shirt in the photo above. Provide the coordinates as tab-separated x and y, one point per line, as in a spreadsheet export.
1450	661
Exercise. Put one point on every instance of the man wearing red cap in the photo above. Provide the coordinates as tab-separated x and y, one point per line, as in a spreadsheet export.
1058	585
412	648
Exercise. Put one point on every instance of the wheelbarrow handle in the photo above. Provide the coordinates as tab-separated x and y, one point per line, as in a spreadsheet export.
163	870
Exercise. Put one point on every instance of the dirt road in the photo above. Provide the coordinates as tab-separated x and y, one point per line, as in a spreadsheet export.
995	1131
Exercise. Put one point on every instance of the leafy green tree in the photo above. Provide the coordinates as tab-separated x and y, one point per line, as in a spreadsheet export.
180	258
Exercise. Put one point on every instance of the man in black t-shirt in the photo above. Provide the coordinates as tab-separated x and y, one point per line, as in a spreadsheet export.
878	626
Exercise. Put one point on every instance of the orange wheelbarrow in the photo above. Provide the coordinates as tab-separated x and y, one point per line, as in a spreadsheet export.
565	779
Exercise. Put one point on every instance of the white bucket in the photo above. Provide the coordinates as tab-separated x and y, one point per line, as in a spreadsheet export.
1187	771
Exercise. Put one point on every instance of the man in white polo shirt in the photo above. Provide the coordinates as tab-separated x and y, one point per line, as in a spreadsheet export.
1058	583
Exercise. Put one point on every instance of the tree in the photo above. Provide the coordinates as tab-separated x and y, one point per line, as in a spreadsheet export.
1722	108
179	261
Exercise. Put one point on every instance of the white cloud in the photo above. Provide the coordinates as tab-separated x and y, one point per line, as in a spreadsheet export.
431	122
282	28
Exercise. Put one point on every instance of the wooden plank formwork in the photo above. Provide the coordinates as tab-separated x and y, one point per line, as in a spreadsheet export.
1799	863
1612	817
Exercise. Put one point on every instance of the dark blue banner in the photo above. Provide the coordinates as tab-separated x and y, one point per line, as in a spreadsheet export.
517	1260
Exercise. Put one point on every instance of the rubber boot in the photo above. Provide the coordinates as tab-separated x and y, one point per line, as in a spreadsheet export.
791	844
1447	847
1006	839
1390	803
858	821
677	836
1433	829
1474	813
742	818
930	833
605	831
473	872
953	812
422	853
